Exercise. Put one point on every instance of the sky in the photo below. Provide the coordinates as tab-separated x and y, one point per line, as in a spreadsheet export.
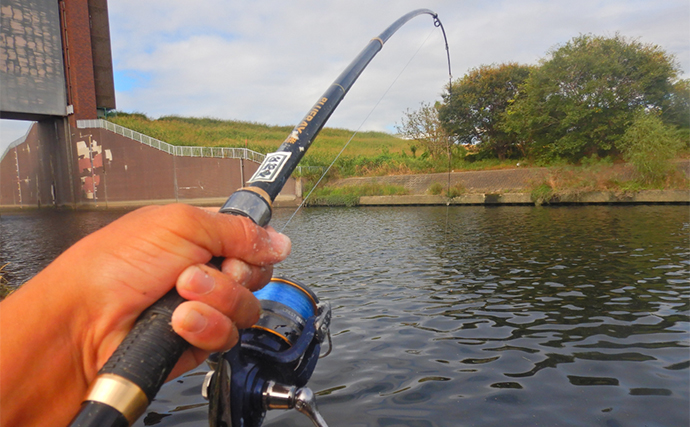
269	61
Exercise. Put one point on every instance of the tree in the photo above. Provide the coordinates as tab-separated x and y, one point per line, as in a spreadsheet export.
424	126
474	105
677	109
580	101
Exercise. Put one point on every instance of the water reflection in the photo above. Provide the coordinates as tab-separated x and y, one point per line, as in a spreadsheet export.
484	316
30	240
574	315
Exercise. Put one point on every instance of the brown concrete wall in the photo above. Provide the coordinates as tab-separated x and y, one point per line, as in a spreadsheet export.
28	172
8	180
99	168
81	89
102	57
207	177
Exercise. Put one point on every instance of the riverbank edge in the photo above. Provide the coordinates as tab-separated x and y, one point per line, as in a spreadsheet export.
681	197
280	202
519	198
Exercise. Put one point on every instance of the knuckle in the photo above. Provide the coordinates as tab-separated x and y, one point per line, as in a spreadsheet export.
182	211
230	300
251	234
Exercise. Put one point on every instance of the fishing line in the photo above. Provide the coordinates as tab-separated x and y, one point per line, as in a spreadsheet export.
437	23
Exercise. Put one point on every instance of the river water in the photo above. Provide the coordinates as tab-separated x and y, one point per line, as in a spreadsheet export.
467	316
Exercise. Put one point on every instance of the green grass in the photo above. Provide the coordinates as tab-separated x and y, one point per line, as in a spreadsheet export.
368	154
5	288
438	189
349	195
376	154
207	132
567	182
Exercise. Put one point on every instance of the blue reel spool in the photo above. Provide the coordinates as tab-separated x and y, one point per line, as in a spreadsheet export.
286	307
279	352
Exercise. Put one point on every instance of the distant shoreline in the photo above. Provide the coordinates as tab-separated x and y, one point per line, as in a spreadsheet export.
586	198
652	197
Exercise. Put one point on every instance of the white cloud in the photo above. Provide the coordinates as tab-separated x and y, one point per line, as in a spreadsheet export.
268	61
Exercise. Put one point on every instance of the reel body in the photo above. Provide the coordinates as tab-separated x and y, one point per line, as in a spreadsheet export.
273	360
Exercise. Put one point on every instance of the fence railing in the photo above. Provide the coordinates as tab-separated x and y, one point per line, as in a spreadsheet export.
15	143
175	150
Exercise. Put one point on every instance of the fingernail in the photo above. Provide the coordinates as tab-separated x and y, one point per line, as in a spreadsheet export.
240	272
281	244
196	280
194	322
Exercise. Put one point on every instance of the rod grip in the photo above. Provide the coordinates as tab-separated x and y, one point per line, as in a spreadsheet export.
99	414
151	349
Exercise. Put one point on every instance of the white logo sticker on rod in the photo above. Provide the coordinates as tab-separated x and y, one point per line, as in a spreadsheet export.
271	167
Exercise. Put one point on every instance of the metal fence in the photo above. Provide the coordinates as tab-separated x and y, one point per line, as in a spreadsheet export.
175	150
15	143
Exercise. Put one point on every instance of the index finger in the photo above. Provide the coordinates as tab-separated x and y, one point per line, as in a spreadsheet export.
223	235
251	243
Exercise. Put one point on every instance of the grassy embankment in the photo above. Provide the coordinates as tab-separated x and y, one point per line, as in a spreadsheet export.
5	288
566	182
378	154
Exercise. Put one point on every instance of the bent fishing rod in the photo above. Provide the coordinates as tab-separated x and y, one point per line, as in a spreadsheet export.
134	374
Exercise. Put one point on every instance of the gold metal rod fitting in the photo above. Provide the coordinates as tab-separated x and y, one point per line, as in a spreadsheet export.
120	393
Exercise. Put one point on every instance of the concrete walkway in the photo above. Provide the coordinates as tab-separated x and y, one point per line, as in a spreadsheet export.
507	186
490	181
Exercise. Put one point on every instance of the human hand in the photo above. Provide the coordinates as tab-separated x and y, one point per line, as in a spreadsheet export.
78	310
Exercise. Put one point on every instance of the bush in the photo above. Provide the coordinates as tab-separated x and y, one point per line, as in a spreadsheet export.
542	194
456	190
435	189
650	146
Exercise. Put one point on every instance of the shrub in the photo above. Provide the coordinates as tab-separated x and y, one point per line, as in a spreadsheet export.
455	191
541	194
435	189
650	146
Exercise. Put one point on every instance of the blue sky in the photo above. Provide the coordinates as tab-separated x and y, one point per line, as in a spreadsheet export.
268	61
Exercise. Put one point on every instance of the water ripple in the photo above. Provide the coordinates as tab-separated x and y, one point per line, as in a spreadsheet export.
528	316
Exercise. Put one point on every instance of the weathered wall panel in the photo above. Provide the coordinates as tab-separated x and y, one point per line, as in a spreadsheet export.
32	77
120	169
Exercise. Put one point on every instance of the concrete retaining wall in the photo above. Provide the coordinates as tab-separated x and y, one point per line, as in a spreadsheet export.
646	196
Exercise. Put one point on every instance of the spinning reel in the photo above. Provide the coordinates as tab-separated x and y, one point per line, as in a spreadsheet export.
270	365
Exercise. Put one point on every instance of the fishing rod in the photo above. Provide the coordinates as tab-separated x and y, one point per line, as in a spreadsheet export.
134	374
